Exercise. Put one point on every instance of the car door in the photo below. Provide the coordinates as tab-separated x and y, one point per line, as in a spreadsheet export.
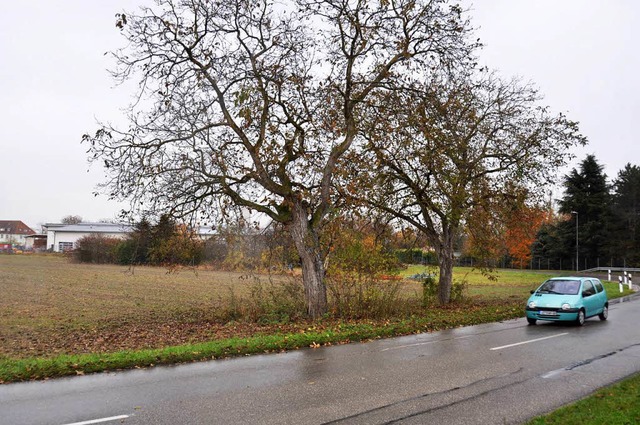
601	294
589	298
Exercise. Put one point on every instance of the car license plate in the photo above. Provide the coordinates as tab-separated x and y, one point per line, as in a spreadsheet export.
548	313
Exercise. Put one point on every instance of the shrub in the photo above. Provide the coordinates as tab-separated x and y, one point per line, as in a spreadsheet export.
163	244
127	253
179	249
357	264
276	303
267	303
96	249
430	290
352	297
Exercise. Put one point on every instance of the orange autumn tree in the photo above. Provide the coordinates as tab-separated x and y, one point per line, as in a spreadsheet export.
521	230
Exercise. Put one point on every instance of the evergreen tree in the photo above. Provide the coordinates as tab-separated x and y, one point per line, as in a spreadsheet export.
551	246
134	250
626	212
587	200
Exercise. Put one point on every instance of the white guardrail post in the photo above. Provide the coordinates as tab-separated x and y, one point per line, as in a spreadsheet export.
630	284
620	283
625	277
609	275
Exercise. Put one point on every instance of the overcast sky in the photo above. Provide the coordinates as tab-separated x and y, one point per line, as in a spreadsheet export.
582	54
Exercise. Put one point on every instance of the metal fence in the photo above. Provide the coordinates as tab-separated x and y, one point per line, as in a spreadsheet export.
543	263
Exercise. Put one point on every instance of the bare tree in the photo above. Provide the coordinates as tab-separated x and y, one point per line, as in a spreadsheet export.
71	219
253	104
460	155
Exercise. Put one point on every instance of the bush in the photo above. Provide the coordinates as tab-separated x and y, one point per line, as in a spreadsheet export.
96	249
163	244
357	264
277	303
267	303
351	297
430	290
128	253
179	249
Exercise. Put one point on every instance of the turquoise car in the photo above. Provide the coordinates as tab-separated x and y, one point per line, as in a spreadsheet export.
568	299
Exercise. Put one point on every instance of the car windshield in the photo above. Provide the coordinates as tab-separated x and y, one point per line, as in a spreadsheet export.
563	287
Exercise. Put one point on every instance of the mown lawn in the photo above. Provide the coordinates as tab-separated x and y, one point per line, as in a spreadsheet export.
59	318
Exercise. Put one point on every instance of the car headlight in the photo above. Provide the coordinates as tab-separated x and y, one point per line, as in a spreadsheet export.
566	306
532	304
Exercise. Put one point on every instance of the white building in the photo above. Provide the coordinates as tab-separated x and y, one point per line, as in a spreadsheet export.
63	237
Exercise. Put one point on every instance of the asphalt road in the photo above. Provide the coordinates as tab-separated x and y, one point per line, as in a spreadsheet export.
502	373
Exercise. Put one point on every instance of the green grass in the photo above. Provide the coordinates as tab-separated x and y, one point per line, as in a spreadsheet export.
618	404
497	277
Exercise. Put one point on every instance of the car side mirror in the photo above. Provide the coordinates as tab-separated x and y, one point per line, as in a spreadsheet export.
585	294
533	291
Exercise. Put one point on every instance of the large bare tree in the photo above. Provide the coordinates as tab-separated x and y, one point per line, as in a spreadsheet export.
254	103
459	154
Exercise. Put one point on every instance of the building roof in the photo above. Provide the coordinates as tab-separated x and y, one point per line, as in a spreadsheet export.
89	227
15	227
109	228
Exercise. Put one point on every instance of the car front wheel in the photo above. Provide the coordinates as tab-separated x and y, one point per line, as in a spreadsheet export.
531	321
580	319
605	313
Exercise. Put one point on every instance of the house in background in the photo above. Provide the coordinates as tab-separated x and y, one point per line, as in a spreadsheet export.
14	233
63	237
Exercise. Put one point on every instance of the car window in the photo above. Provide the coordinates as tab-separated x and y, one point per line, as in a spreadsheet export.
588	288
598	286
563	287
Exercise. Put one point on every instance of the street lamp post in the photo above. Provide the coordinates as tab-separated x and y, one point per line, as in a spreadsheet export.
577	257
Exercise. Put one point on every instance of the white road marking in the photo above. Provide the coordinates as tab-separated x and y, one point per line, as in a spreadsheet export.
553	373
417	344
101	420
529	341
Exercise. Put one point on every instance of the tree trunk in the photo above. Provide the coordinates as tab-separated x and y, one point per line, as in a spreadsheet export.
445	281
307	244
445	258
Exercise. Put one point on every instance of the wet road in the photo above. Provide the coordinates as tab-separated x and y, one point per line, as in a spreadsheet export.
487	374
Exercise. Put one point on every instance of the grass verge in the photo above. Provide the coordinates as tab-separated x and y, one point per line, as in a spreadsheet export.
617	404
14	370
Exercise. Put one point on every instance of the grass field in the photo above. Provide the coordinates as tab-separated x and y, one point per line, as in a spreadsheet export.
51	308
513	284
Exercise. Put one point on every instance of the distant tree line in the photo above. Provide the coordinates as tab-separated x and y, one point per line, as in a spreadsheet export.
598	223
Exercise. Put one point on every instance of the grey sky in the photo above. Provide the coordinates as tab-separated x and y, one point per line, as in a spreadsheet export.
582	54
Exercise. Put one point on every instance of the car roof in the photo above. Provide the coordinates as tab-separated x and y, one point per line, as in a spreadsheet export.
581	278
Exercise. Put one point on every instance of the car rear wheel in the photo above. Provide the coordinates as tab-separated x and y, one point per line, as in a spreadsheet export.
531	321
605	313
580	319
